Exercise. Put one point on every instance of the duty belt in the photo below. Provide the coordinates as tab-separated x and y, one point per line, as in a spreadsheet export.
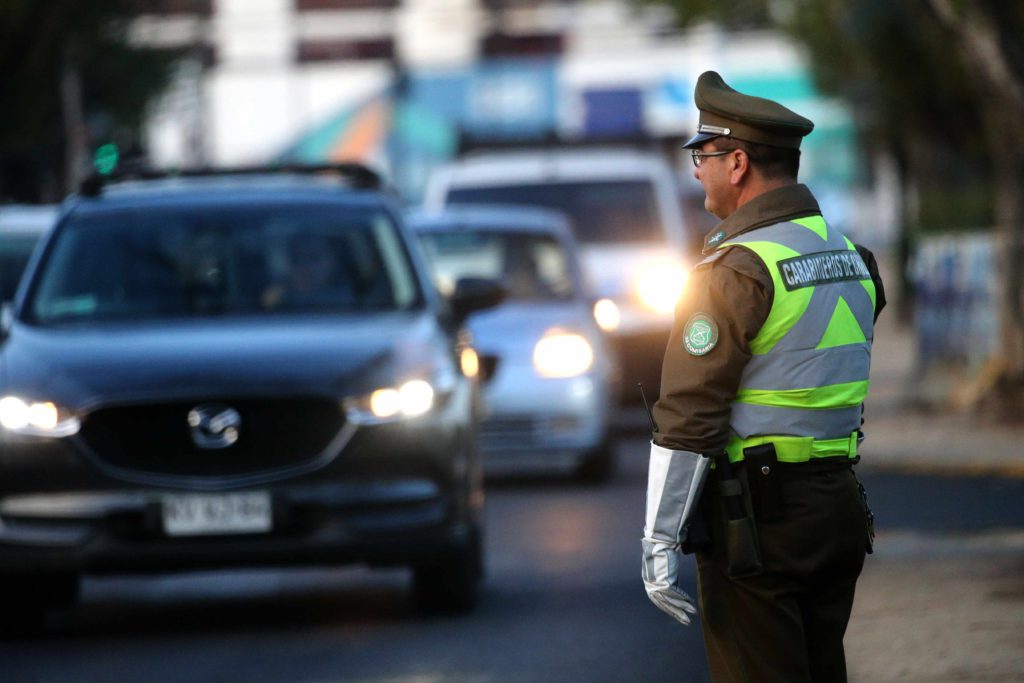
796	449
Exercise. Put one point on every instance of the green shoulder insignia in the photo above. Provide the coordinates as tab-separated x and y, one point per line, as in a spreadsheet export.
714	239
700	334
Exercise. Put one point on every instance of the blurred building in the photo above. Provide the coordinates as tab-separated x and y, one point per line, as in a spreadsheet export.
402	84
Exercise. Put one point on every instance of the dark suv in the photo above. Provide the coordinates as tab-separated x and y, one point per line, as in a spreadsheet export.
237	370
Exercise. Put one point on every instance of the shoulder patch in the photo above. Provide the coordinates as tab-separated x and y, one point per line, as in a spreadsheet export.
700	334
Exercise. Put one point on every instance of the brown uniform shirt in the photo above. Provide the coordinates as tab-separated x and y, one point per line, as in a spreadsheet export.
733	288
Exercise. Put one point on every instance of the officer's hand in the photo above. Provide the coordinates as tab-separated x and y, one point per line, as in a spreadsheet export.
675	480
661	580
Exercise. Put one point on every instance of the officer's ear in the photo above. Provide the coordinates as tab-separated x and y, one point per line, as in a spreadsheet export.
739	163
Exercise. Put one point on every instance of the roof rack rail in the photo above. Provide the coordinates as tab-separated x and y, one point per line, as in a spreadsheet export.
355	175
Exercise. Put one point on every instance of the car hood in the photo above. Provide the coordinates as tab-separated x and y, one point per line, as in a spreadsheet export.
336	357
511	330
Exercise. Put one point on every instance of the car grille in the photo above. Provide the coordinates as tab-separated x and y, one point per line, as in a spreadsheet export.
524	432
156	438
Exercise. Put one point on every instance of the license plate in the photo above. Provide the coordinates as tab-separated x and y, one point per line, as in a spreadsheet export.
194	514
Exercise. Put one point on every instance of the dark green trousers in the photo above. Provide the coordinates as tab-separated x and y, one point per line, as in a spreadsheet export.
786	624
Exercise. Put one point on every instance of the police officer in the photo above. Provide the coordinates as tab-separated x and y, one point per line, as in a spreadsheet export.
759	416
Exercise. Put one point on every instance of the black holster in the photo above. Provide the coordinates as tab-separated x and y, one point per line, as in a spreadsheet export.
763	478
742	548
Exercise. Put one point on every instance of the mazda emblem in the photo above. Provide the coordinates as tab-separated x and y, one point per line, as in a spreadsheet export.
214	426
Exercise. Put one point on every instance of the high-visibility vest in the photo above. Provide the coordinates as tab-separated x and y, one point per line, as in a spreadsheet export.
808	376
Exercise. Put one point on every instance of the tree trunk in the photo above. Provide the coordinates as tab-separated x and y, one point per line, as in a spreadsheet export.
1000	87
75	134
1009	215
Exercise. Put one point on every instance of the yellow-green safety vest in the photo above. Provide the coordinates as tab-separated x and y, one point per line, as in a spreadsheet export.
808	376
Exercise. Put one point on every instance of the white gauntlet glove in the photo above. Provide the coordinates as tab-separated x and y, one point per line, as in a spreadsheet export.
674	482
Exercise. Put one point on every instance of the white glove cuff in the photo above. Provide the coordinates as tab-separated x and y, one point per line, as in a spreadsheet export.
675	480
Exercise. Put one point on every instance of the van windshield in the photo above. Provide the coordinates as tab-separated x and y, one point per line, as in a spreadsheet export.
600	211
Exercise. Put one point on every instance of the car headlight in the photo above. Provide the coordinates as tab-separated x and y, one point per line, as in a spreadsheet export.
37	418
660	284
469	362
562	354
607	316
411	399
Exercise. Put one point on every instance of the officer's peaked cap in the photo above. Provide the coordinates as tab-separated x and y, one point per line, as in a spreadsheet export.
724	111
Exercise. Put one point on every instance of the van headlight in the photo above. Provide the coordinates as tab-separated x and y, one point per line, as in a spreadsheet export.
37	418
659	285
389	404
562	354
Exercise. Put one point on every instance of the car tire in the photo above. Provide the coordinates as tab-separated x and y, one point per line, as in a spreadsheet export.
599	464
27	597
451	585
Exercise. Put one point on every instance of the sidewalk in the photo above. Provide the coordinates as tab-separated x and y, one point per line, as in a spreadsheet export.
908	427
936	607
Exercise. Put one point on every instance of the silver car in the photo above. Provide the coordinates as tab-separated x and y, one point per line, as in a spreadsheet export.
552	381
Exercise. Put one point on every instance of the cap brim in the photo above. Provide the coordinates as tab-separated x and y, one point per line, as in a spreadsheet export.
699	139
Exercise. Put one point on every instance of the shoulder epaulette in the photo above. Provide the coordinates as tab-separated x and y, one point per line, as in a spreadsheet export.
711	258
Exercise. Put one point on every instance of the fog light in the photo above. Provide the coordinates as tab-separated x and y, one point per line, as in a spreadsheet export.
607	315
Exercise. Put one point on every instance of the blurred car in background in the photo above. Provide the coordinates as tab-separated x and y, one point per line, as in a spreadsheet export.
231	371
551	380
623	206
21	227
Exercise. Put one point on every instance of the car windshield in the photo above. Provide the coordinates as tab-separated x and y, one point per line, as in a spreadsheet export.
532	267
184	262
600	211
15	251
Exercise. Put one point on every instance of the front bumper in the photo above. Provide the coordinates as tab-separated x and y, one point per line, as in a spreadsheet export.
400	493
534	421
376	522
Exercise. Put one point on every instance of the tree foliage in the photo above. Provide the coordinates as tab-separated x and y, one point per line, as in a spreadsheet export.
39	40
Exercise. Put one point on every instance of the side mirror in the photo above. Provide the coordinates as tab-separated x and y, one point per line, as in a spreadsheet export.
474	294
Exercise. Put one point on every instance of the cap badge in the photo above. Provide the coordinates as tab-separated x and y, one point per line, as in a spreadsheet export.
717	130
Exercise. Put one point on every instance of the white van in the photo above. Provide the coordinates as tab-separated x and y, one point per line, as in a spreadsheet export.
624	209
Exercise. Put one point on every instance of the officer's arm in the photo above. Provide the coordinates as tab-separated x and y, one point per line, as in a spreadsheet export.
699	379
876	277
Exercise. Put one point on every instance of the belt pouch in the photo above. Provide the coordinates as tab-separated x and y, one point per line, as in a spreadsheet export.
742	550
763	478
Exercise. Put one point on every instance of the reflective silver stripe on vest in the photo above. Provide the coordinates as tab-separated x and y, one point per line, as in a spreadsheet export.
794	362
807	367
753	420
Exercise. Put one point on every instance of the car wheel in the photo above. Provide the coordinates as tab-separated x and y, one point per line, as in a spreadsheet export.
26	598
451	585
599	464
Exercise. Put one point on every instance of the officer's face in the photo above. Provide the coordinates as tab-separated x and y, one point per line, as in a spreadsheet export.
713	174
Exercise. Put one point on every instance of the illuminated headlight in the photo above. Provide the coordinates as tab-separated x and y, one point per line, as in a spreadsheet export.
41	418
412	399
607	315
469	362
562	354
659	286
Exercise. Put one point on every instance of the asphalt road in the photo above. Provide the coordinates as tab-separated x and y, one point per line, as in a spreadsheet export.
563	601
